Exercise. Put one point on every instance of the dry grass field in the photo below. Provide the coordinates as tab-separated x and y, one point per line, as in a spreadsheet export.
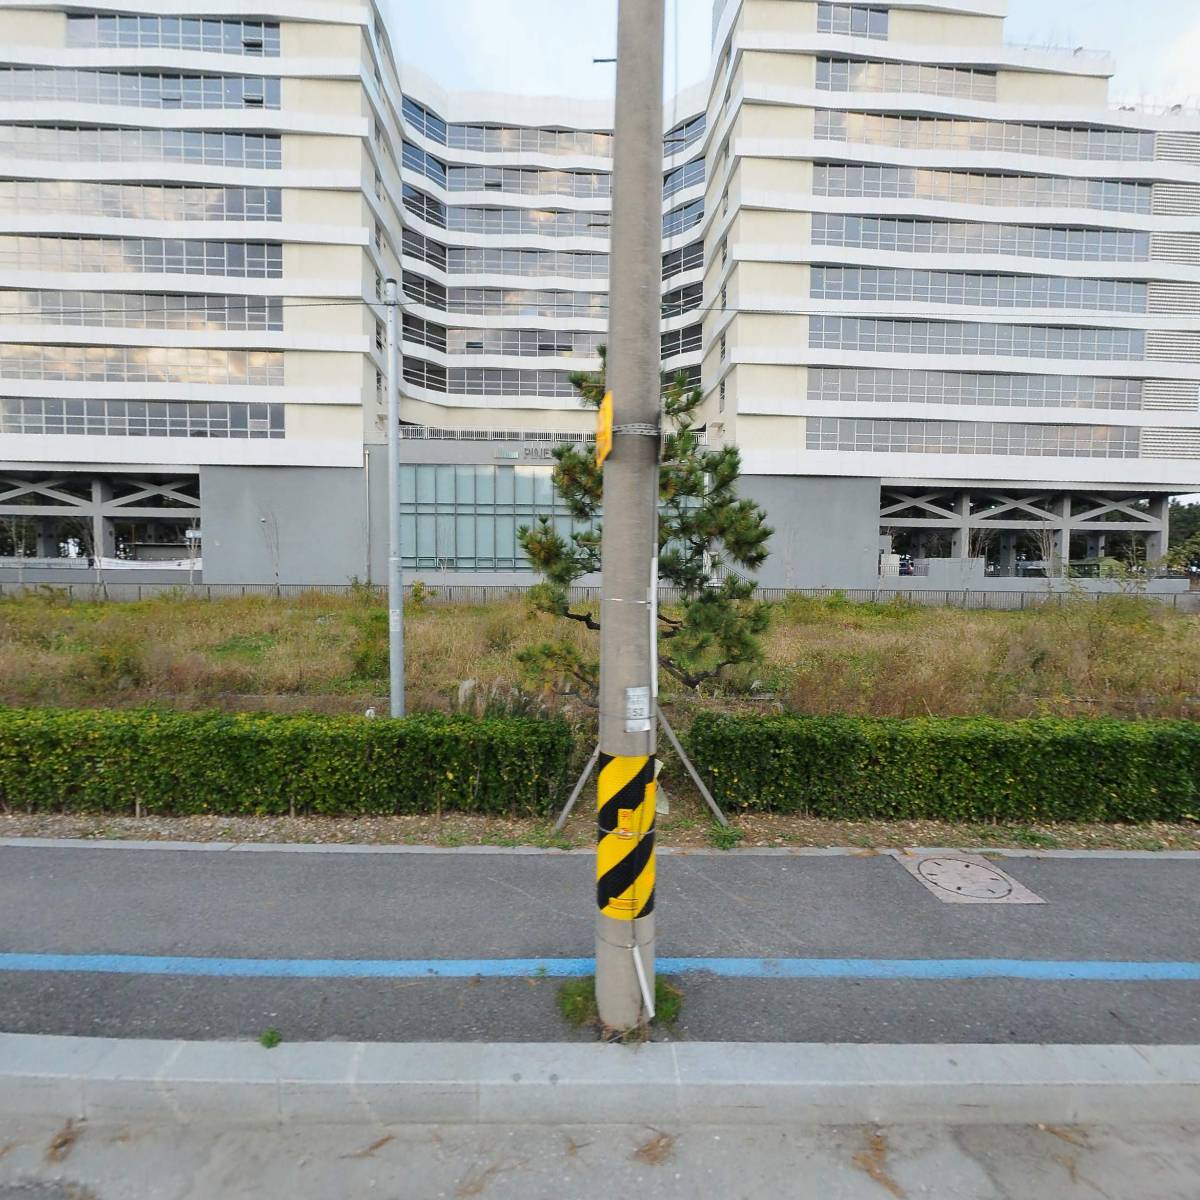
1123	656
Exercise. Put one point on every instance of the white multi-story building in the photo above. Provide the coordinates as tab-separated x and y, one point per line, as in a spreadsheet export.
938	286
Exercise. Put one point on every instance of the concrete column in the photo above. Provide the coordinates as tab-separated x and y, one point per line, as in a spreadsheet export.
960	537
104	536
1096	543
47	538
1158	541
1006	552
1062	536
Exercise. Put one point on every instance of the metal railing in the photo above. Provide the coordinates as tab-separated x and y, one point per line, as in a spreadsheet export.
484	593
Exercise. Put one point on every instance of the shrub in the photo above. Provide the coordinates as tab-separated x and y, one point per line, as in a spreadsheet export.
951	768
184	763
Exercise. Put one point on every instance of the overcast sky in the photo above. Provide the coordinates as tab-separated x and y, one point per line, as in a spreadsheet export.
546	46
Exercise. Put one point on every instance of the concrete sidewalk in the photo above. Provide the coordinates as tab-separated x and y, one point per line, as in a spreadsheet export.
101	1079
769	1161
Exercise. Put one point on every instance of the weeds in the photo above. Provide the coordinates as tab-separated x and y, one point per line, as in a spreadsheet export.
725	837
270	1039
577	1004
1122	656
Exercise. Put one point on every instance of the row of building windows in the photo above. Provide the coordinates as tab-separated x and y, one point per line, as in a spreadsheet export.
142	310
501	302
527	343
988	291
243	260
855	75
939	133
680	341
483	260
468	517
978	187
139	418
946	337
528	181
524	138
210	34
683	177
686	258
145	89
853	20
877	386
976	237
540	222
970	437
140	202
140	364
505	137
682	300
62	143
487	381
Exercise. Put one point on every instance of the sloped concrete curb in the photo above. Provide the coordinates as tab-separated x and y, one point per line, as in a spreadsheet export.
112	1079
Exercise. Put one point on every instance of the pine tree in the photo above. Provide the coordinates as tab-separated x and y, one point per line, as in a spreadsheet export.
712	621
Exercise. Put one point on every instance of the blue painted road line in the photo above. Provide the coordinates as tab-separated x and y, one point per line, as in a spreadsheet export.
1051	971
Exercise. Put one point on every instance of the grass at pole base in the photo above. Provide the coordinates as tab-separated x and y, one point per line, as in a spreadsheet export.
577	1004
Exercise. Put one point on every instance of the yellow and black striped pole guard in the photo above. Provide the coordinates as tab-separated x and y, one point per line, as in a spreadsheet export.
625	849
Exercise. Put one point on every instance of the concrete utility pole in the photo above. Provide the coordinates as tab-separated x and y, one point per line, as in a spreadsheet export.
625	853
395	570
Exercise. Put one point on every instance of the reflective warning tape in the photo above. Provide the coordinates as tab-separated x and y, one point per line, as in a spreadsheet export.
625	849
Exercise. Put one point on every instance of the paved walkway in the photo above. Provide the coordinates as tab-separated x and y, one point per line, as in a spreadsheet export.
978	1162
153	942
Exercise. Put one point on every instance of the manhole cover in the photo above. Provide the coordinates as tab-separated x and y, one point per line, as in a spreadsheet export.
965	879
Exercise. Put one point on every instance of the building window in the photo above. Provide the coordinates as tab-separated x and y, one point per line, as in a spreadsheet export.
140	364
688	258
530	182
721	397
682	300
935	133
856	434
859	75
945	337
214	35
970	237
138	88
895	285
145	202
977	187
680	137
683	177
680	341
259	151
881	386
685	217
143	310
139	418
853	20
244	260
468	517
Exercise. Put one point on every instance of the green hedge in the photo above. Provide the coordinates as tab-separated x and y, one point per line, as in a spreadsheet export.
54	760
949	768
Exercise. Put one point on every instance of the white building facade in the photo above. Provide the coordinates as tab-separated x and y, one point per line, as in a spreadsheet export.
931	285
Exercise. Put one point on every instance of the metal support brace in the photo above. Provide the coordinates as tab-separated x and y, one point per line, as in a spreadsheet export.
687	762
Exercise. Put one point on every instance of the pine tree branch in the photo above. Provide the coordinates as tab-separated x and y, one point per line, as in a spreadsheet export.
586	619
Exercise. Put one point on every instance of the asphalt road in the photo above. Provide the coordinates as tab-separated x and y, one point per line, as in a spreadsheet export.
99	900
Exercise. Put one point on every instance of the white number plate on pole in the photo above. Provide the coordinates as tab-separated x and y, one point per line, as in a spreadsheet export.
637	710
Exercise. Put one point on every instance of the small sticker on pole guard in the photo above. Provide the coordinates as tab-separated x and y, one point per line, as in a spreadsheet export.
604	429
624	822
637	710
395	619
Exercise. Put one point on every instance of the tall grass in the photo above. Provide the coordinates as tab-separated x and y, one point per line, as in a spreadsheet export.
1123	656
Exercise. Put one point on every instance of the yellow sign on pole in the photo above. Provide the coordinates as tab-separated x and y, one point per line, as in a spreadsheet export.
604	429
